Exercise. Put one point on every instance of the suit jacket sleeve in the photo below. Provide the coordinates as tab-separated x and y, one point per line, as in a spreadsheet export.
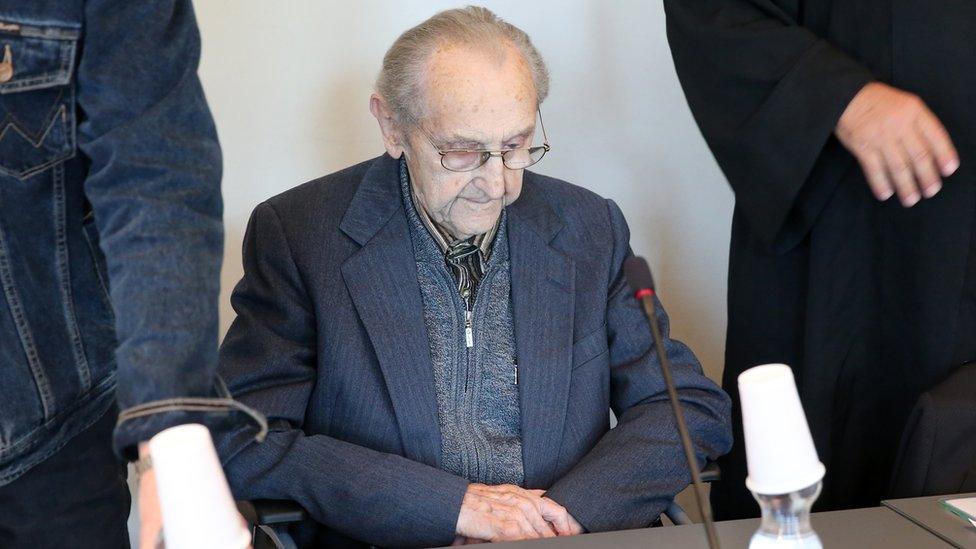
268	358
767	94
637	468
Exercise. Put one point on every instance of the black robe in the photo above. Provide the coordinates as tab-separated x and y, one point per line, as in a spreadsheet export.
870	303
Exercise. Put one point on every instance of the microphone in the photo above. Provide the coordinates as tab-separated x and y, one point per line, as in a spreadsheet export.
638	275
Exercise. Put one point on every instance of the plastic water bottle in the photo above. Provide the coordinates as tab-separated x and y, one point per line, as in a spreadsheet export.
786	520
781	457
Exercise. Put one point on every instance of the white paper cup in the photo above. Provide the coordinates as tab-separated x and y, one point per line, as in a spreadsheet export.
779	448
197	507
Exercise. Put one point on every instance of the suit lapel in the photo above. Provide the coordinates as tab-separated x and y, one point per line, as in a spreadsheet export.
542	300
382	280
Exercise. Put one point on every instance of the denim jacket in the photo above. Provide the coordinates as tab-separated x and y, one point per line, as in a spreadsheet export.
110	225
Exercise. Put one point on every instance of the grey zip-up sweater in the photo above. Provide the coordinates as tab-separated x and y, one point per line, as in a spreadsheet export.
476	386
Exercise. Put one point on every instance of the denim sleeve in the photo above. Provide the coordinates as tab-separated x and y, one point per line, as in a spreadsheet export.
638	467
154	185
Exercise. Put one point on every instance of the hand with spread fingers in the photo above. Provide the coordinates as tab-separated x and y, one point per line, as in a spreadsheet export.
901	145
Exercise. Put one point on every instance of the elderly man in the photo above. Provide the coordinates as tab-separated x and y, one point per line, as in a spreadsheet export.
437	335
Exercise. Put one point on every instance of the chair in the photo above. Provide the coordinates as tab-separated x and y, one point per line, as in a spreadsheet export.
269	519
674	512
938	446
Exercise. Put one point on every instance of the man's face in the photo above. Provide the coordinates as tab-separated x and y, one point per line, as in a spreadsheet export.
475	100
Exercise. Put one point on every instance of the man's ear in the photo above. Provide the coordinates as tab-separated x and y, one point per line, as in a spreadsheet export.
392	136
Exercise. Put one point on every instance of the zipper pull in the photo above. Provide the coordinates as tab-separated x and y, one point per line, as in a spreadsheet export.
468	331
516	372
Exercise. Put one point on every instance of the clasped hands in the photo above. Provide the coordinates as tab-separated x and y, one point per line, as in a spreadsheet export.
508	513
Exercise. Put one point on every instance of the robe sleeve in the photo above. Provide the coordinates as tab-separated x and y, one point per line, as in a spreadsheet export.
766	94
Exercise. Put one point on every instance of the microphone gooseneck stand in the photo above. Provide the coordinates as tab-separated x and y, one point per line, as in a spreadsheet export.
638	275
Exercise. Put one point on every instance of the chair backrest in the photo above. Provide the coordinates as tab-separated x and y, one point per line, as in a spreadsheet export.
938	447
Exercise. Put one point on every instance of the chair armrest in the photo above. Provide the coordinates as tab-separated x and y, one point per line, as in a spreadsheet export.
271	511
711	473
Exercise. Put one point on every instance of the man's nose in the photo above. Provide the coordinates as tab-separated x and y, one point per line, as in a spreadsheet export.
493	177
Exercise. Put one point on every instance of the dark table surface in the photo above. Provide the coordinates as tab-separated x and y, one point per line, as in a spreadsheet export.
877	527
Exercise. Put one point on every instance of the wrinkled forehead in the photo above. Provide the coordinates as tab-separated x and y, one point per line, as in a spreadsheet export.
488	90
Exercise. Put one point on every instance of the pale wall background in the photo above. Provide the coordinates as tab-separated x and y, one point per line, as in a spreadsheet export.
288	82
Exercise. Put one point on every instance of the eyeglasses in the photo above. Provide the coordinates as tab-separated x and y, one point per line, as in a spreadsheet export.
466	160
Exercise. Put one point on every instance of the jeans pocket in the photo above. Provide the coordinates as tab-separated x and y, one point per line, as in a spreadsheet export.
37	107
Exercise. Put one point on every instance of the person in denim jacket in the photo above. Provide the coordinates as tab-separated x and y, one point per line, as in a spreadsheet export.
110	249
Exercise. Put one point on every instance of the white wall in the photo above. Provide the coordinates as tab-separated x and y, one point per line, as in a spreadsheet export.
288	83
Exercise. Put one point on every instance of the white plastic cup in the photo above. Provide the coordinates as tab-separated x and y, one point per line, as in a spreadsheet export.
779	448
197	507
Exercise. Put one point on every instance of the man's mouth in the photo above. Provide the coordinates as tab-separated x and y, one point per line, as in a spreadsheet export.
480	201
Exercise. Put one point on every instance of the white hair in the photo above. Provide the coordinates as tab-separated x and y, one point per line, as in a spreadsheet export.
401	82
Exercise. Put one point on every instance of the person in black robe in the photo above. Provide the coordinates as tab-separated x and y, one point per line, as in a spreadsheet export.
847	131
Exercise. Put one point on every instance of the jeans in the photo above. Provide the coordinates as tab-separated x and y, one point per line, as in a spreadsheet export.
77	498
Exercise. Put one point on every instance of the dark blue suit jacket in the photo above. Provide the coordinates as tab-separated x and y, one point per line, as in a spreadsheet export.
330	343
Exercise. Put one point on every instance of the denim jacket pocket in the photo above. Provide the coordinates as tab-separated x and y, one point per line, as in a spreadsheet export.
37	106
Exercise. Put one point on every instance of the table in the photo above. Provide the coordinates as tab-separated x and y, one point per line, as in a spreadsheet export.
929	514
876	527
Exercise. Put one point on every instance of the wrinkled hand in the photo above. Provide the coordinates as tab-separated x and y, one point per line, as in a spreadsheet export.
508	513
901	146
567	528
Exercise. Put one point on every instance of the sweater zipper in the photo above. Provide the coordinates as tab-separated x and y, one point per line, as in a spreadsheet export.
468	335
